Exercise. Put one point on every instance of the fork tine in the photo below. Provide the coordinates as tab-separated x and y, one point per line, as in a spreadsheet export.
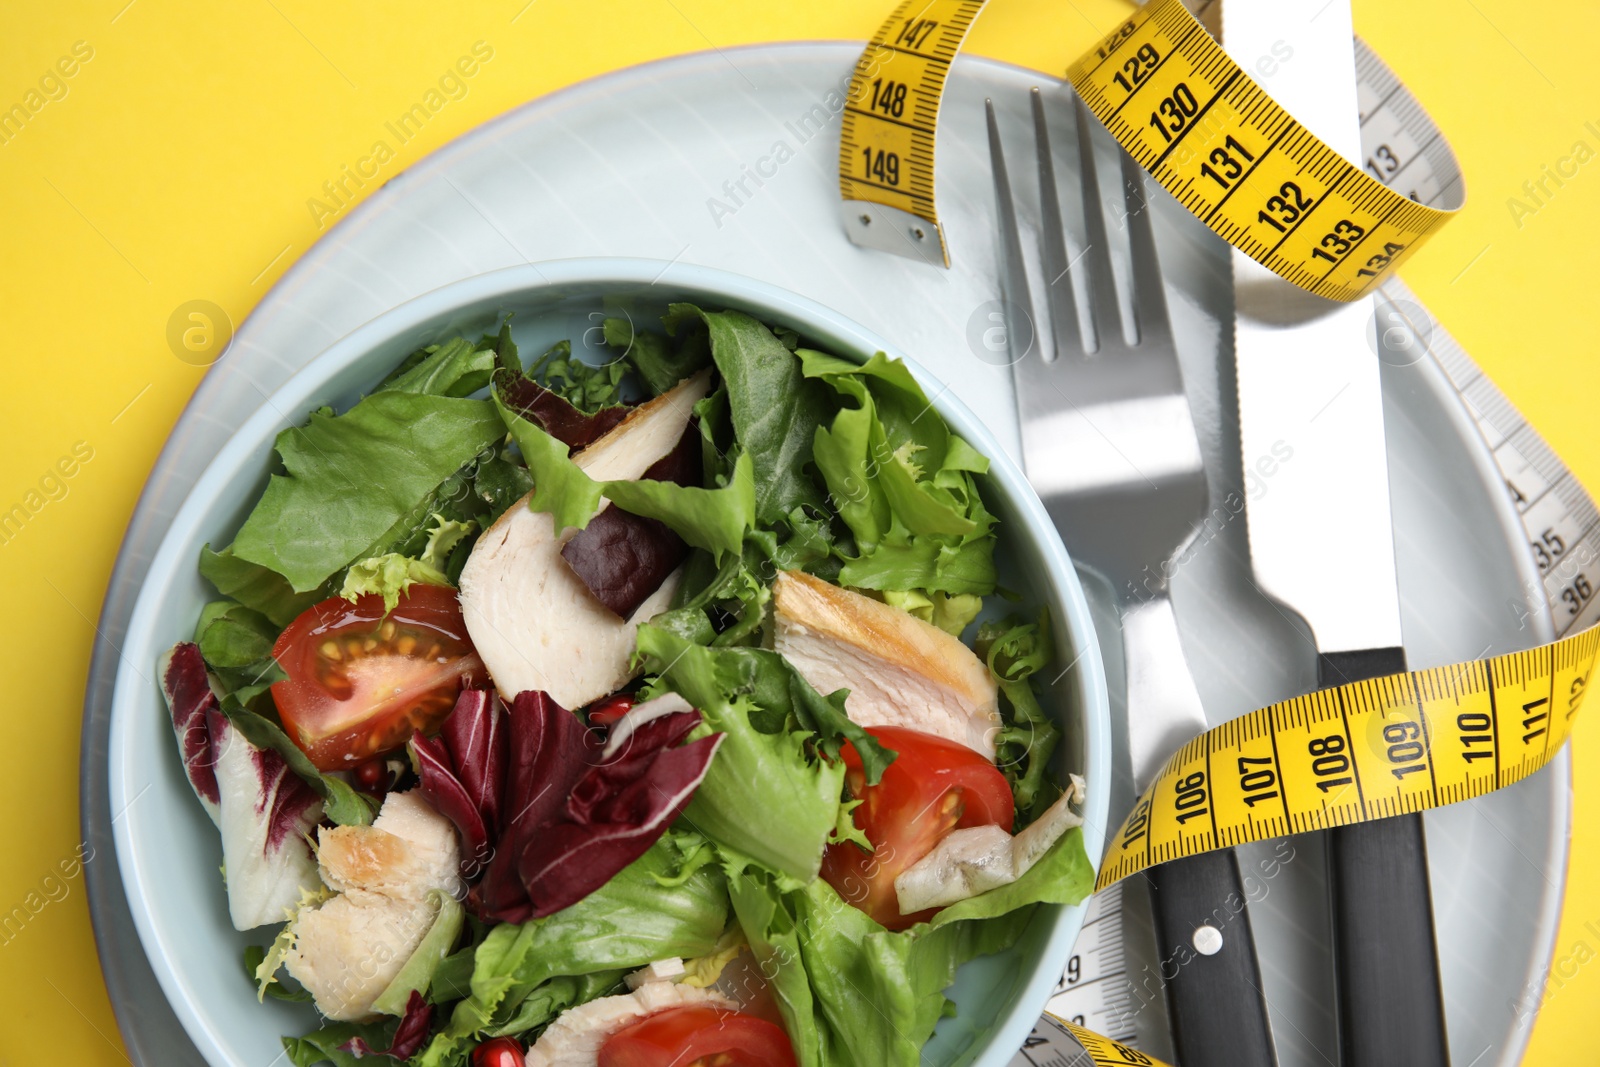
1105	317
1053	243
1149	297
1015	301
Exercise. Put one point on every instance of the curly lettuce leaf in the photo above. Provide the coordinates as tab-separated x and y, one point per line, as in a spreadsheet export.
659	362
1015	651
902	483
763	797
853	994
583	385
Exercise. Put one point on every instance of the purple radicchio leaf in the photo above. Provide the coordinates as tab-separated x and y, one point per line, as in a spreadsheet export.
189	697
283	798
450	798
475	735
569	860
408	1036
265	812
623	558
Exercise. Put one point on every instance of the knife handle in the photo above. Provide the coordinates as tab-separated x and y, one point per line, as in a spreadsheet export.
1391	1004
1208	959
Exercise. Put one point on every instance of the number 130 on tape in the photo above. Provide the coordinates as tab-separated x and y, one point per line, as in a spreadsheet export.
1219	144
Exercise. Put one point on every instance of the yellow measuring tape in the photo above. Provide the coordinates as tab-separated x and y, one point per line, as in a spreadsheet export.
1179	105
886	135
1387	746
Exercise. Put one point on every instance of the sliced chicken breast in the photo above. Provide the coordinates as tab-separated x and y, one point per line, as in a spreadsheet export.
900	670
574	1039
532	620
348	949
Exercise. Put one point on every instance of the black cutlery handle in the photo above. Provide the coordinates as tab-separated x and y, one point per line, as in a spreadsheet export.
1208	960
1391	1005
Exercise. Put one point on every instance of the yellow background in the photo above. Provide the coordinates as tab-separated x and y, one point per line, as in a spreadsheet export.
178	166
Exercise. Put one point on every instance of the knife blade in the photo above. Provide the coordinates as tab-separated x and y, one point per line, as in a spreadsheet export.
1322	540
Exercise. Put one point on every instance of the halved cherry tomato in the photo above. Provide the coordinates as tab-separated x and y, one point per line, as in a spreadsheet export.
698	1035
361	681
607	710
498	1052
933	786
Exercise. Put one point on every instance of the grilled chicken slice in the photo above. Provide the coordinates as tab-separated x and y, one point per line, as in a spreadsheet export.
900	670
574	1039
532	620
348	949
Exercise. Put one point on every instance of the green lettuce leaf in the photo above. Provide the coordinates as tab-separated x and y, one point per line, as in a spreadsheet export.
323	1046
331	503
391	574
630	921
586	387
556	996
455	368
776	410
852	994
716	520
236	643
763	796
560	487
1015	651
905	487
659	363
231	635
256	587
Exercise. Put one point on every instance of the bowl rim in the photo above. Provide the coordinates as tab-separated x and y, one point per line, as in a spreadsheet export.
174	558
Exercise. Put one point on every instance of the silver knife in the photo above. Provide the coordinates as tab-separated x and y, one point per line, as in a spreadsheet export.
1322	541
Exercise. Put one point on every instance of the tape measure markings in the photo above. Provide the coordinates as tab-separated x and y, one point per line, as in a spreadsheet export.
1370	749
1174	72
886	148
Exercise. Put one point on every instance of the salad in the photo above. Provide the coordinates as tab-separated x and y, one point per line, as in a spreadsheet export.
660	712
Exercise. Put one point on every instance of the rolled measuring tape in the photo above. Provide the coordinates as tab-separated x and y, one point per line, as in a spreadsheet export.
1181	107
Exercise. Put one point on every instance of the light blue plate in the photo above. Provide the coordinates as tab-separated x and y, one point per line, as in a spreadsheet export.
169	853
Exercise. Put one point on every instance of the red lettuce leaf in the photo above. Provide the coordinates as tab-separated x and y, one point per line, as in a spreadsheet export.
475	734
450	798
279	789
552	413
570	815
569	860
551	749
189	695
623	558
408	1036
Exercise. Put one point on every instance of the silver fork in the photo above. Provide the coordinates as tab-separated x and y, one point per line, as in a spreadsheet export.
1109	444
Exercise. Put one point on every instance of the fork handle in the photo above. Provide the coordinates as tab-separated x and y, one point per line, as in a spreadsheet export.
1391	1005
1208	959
